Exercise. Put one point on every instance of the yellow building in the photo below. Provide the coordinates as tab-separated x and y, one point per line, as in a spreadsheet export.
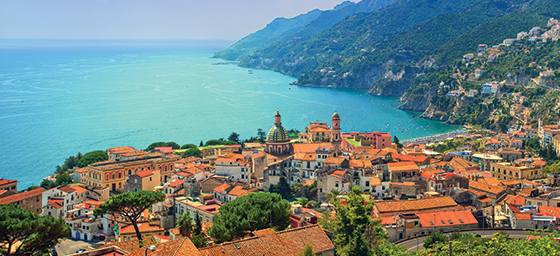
509	171
114	174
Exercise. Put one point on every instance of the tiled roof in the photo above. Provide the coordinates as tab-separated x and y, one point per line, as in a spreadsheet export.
267	242
334	160
79	189
403	166
482	186
523	216
222	187
176	183
239	191
132	245
448	218
388	221
550	211
6	181
414	205
21	196
375	181
143	174
304	156
66	189
56	203
377	152
309	147
338	174
142	227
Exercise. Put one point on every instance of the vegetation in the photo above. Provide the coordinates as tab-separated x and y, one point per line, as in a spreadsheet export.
184	224
130	205
93	157
252	212
282	188
435	238
172	144
355	232
192	152
307	250
35	233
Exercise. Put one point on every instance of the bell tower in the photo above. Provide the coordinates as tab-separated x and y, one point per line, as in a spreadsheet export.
336	139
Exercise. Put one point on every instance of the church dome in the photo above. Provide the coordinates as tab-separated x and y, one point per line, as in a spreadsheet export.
277	134
335	115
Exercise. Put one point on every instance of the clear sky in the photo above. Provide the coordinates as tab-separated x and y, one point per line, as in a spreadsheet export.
146	19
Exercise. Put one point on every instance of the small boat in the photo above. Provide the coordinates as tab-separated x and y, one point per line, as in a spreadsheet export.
250	71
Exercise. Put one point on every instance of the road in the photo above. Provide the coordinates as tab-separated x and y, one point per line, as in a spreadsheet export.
70	246
418	244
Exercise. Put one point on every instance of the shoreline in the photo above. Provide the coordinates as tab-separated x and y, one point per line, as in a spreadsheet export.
436	137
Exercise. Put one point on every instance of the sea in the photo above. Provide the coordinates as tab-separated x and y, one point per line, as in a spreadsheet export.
61	97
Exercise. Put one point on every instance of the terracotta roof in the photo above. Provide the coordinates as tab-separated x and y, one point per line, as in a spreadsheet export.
414	205
239	191
131	245
523	216
550	211
388	220
377	152
375	181
176	183
403	166
482	186
267	242
143	174
259	154
66	189
338	174
222	187
142	227
406	183
304	156
334	160
448	218
56	203
21	196
485	200
309	147
6	181
79	189
307	183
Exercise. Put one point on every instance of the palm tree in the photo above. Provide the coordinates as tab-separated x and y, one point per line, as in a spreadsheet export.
184	224
333	194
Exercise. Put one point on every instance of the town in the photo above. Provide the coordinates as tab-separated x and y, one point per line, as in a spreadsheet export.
487	180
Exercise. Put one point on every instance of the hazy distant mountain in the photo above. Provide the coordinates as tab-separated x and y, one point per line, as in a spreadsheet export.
309	24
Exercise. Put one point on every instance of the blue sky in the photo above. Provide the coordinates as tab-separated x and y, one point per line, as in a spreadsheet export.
146	19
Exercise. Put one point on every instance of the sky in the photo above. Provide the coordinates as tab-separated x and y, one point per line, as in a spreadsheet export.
146	19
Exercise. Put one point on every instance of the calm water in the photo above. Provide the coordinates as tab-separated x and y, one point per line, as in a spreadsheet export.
58	98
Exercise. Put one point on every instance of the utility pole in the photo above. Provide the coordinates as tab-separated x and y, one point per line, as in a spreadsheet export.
450	249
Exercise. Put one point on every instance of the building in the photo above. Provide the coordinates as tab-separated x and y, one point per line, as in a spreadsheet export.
114	174
363	142
509	171
490	88
418	224
403	171
235	167
277	139
484	160
547	132
30	200
510	154
146	229
396	207
143	180
284	243
318	132
124	153
478	73
187	205
8	186
509	42
86	226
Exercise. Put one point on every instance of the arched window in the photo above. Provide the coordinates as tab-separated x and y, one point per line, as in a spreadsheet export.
113	176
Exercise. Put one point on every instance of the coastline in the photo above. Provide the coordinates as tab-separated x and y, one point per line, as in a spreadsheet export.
436	137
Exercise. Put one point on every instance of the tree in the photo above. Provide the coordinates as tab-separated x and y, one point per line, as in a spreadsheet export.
63	179
254	211
184	224
282	188
192	152
307	250
130	205
214	142
200	240
434	238
198	225
93	157
353	224
396	141
47	184
35	233
234	137
187	146
261	134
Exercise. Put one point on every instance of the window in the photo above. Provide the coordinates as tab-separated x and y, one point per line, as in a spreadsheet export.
150	178
119	175
106	176
113	176
129	172
432	223
443	222
450	222
367	183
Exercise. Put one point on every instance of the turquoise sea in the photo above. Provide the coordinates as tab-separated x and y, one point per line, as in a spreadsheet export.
61	97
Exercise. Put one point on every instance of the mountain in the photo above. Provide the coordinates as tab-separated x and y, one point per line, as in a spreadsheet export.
350	37
305	25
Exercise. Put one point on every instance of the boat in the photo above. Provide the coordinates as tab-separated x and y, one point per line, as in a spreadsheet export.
250	71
